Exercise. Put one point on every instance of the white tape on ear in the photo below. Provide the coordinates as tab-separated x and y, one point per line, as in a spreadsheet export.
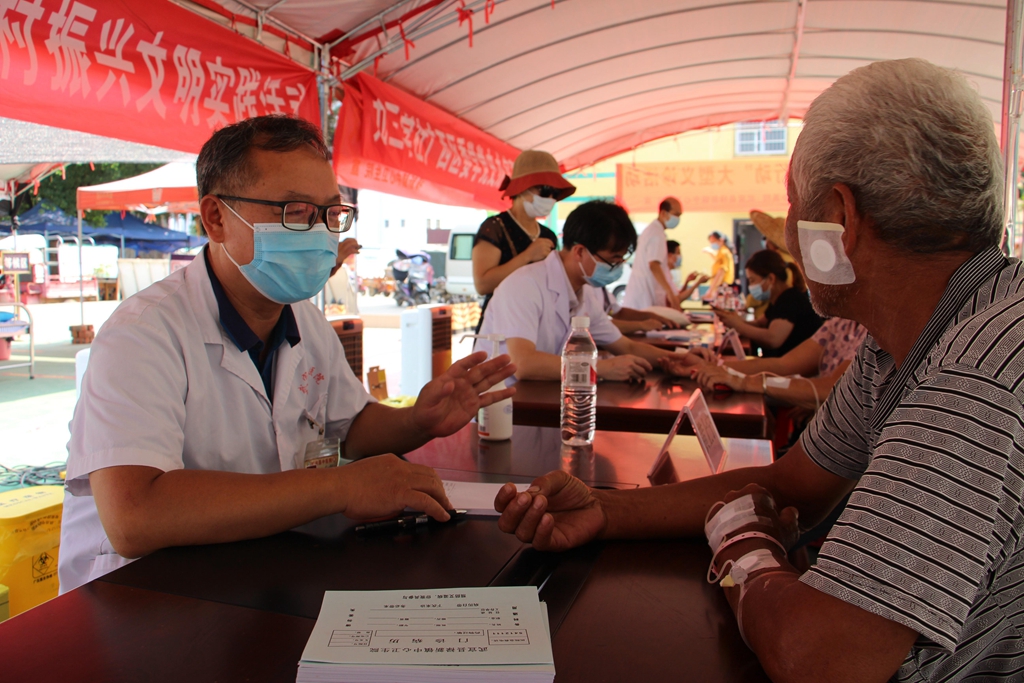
824	257
778	382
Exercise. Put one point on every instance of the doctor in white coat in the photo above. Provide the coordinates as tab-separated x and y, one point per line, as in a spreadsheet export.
206	392
534	306
650	282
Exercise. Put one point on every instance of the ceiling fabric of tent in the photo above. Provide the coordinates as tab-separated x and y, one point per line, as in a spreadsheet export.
588	79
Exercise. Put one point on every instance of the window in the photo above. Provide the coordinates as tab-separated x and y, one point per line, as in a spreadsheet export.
462	247
762	137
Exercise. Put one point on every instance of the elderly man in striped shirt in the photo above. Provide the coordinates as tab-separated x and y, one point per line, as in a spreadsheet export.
896	215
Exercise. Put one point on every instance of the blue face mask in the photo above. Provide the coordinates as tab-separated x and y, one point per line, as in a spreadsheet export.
715	246
288	266
759	293
604	274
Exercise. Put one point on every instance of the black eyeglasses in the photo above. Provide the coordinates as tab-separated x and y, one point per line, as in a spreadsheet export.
613	265
545	191
302	216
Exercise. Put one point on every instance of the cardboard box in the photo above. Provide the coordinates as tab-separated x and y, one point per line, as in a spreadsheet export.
29	543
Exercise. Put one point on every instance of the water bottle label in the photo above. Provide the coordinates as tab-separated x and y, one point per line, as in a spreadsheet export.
580	373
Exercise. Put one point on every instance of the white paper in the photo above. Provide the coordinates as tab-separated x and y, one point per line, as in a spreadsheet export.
474	497
674	335
431	627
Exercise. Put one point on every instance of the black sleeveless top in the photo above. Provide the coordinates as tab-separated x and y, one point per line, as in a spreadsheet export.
499	230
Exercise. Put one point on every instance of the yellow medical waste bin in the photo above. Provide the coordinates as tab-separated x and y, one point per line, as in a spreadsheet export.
29	540
5	608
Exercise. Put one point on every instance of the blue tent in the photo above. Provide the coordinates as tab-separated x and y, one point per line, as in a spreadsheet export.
135	233
141	236
40	219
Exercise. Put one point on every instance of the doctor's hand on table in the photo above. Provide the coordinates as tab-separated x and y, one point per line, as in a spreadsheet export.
683	364
447	403
623	368
384	485
557	512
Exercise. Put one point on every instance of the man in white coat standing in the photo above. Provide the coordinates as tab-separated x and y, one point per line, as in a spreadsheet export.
212	397
650	282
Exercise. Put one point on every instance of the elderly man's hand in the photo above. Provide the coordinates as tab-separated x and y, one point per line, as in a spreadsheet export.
557	512
450	401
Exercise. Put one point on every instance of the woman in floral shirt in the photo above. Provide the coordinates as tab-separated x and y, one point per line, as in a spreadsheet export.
812	368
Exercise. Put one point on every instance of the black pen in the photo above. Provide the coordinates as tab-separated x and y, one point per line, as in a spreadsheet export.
407	523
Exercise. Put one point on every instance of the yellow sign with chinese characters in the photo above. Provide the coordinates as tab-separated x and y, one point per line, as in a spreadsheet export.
730	186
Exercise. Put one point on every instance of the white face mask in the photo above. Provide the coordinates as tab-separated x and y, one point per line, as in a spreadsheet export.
540	206
823	255
672	222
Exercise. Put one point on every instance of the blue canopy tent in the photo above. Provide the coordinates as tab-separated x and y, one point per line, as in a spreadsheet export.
141	236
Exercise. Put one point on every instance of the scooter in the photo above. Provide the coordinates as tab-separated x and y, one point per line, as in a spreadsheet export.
413	277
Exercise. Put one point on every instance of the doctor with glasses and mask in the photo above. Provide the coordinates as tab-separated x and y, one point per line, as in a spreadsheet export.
218	402
533	308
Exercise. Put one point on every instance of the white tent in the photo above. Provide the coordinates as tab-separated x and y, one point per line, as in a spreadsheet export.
585	79
173	184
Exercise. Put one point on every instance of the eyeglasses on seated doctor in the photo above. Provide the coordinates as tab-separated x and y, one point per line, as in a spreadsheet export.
302	216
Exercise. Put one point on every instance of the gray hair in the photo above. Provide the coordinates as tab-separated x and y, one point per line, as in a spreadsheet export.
223	163
916	146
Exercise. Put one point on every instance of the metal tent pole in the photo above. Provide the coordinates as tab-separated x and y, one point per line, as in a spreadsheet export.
1013	87
81	281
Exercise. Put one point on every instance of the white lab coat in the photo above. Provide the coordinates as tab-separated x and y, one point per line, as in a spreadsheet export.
537	303
167	388
642	290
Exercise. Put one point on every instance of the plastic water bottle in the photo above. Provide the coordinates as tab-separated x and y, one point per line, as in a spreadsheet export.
579	385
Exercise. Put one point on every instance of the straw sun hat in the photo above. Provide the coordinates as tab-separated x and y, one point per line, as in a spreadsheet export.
531	168
774	229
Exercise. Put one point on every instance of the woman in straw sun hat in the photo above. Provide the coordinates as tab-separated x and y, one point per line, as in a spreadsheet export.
515	238
774	231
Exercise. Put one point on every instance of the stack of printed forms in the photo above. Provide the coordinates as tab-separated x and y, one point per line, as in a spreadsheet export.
447	635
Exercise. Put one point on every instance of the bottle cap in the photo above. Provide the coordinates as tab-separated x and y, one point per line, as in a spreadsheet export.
581	321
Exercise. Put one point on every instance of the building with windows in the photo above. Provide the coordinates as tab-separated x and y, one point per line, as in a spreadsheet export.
720	174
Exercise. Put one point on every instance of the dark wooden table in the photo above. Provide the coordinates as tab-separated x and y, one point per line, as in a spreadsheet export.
243	611
648	407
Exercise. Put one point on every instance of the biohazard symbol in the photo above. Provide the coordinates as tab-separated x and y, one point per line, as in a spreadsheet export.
42	565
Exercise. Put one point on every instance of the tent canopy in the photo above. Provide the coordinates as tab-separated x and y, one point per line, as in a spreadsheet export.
173	184
586	80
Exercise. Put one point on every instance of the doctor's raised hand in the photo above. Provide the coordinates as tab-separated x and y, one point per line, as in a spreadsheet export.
446	404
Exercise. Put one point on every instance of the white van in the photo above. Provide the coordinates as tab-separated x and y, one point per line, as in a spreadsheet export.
459	266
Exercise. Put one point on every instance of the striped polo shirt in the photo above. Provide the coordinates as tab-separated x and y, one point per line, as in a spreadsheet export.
932	535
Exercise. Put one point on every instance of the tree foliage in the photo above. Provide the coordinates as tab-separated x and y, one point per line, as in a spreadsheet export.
60	192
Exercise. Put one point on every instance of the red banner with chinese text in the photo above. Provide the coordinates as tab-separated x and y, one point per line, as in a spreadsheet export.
730	186
149	72
390	141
